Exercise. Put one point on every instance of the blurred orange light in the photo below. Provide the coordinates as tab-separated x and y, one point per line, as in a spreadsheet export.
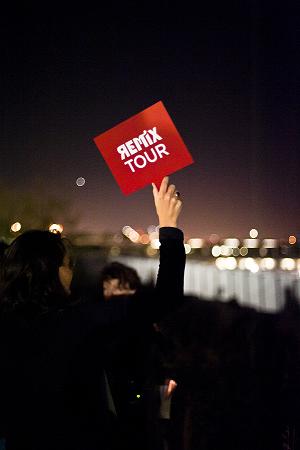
292	240
144	239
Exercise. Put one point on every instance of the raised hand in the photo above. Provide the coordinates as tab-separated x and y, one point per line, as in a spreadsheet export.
167	202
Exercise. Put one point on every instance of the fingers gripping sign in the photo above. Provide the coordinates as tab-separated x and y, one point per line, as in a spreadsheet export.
167	202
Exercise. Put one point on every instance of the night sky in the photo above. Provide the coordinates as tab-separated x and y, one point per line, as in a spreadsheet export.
228	74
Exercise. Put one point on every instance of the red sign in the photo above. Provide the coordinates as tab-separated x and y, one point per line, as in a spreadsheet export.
143	149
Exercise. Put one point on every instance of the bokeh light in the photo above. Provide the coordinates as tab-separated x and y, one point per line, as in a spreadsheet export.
155	244
288	264
187	248
56	228
253	233
80	181
267	264
16	227
243	251
196	242
216	251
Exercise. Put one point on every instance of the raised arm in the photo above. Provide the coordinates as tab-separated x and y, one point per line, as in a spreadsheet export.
169	285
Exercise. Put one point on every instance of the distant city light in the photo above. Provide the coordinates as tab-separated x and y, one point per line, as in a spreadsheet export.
144	239
269	243
231	252
251	243
242	264
251	264
56	228
253	233
216	251
267	263
226	263
236	252
220	263
126	230
196	242
231	263
243	251
16	227
133	236
187	248
288	264
80	181
232	242
226	251
155	244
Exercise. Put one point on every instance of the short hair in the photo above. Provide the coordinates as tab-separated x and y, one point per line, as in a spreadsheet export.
125	274
29	272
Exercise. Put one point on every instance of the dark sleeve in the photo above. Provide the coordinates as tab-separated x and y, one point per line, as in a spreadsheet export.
170	278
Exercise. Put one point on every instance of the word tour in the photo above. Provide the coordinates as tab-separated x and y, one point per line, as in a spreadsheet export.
137	145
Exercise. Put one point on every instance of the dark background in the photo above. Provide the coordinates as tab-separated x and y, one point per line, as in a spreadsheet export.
228	74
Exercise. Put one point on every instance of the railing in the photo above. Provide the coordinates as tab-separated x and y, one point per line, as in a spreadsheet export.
264	290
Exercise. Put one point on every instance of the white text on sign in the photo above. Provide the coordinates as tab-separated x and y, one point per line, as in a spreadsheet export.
137	144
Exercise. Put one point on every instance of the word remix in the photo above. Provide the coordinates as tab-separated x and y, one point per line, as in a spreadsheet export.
137	144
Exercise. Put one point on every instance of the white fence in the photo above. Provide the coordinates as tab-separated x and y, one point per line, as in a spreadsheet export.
264	290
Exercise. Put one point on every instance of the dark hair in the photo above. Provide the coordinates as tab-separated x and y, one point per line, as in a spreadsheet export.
3	247
125	274
29	273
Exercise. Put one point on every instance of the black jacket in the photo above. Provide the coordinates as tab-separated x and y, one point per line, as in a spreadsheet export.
53	385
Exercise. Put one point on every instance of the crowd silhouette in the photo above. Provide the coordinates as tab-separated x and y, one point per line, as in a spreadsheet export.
137	368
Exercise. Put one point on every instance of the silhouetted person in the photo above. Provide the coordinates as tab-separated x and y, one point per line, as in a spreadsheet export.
119	279
131	375
53	387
